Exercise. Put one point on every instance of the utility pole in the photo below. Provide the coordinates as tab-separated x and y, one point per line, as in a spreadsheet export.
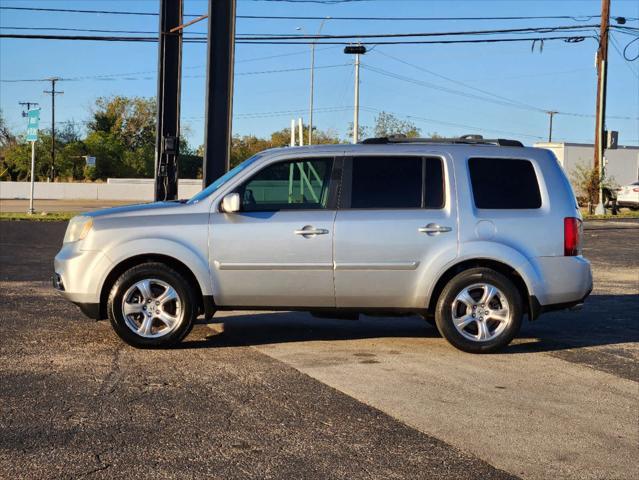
53	93
357	50
602	73
551	114
356	103
28	105
310	108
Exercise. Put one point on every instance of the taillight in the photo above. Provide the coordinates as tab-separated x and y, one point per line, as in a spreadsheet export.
572	240
636	189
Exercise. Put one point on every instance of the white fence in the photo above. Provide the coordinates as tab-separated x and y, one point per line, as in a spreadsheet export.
139	189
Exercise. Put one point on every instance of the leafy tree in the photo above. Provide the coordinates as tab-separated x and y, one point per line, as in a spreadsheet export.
7	140
362	132
387	124
122	136
6	137
587	183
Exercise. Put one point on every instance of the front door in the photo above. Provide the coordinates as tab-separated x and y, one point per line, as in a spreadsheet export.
277	251
395	218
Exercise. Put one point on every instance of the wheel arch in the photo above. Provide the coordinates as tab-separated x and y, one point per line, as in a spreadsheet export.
497	265
133	261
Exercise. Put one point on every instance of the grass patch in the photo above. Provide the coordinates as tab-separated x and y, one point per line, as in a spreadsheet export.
37	217
610	216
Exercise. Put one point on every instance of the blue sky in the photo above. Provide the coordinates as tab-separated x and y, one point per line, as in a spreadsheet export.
561	78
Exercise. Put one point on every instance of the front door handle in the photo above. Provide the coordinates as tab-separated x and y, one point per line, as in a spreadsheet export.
309	230
433	228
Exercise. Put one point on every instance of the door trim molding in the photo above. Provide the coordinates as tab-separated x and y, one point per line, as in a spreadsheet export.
377	266
271	266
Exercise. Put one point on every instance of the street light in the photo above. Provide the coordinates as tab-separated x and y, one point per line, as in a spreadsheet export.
310	108
356	50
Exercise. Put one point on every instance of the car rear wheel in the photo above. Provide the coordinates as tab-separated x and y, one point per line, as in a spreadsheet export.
151	306
479	311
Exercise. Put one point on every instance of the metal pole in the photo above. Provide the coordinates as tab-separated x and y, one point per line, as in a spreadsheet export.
551	114
310	109
53	93
602	70
356	113
292	132
168	101
219	89
301	131
31	210
601	147
53	129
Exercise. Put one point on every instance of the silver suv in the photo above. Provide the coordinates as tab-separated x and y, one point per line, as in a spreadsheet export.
472	234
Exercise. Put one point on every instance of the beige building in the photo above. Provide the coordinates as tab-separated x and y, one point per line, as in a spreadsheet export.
622	164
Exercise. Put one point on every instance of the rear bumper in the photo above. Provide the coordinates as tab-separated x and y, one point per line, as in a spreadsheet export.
537	309
565	283
563	280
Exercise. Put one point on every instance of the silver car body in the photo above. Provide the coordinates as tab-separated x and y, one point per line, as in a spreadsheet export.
367	259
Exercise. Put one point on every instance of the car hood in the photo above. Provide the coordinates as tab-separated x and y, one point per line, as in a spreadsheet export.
155	208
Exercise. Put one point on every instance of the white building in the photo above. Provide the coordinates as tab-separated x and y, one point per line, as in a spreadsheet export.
622	164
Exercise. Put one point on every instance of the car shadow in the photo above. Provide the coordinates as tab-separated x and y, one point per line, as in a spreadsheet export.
604	320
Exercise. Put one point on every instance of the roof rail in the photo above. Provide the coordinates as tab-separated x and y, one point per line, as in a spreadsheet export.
464	139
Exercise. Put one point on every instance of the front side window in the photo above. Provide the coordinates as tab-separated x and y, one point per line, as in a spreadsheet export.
293	185
504	183
224	178
397	182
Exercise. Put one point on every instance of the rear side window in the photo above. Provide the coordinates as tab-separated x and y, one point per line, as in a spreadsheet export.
503	183
396	182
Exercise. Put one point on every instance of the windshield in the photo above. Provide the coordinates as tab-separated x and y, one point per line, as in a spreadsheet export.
224	178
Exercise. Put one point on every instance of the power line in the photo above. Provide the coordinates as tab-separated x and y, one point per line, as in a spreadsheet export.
253	41
504	101
565	38
108	76
358	36
457	82
423	34
310	17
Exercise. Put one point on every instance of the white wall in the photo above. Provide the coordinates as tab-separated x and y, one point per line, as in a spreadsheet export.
139	189
622	164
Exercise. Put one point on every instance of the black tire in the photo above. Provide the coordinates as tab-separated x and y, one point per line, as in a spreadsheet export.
163	273
468	278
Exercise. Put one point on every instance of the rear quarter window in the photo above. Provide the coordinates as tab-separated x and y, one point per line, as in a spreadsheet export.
504	183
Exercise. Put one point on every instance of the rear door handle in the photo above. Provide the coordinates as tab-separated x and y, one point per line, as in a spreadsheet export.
433	228
310	230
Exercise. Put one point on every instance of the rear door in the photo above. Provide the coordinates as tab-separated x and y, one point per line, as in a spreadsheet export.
395	216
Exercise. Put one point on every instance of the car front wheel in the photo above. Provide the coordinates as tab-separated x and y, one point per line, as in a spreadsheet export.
479	311
151	306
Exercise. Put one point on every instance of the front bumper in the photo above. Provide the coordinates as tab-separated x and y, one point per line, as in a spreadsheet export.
78	273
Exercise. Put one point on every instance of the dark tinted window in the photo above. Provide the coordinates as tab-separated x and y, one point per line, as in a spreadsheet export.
387	182
397	182
292	185
434	190
502	183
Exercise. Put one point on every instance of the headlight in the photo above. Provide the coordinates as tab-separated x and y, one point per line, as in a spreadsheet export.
78	228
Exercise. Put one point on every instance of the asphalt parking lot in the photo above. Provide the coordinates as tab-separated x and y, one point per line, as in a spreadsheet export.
284	395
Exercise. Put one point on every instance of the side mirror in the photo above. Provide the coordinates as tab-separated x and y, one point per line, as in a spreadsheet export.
231	203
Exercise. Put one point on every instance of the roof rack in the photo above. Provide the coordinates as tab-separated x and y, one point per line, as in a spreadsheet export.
464	139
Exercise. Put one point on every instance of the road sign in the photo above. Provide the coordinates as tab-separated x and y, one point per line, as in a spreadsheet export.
90	161
33	125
